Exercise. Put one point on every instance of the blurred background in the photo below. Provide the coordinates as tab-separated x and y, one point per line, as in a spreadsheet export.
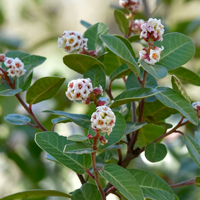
33	26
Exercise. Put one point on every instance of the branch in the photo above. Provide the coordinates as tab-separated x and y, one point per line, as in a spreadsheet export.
82	180
188	182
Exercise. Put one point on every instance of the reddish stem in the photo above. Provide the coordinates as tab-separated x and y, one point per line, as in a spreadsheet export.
188	182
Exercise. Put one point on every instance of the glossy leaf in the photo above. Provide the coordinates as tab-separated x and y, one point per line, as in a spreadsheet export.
172	99
49	157
60	120
43	89
54	144
77	138
93	33
105	156
121	21
197	137
186	75
97	76
177	86
193	148
179	49
157	71
78	148
133	95
124	110
80	62
119	72
153	186
149	133
79	119
117	133
87	191
157	111
123	181
10	92
114	147
17	119
86	24
16	54
133	126
35	194
134	38
155	152
121	50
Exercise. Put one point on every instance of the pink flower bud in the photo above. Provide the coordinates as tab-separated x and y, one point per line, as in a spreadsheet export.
103	140
89	136
2	57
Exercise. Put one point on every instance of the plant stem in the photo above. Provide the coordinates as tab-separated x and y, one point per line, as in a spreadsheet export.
82	180
96	175
120	157
110	190
188	182
108	91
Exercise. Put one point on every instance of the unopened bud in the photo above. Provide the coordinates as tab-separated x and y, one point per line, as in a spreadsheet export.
103	140
2	57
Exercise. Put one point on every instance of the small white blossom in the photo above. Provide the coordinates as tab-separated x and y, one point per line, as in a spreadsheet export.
72	42
79	89
103	119
136	26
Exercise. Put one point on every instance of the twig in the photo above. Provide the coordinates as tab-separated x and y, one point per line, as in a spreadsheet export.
82	180
188	182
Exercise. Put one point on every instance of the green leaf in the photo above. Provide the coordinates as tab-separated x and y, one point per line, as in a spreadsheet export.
105	156
116	134
93	33
123	181
10	92
157	111
88	191
80	62
43	89
157	71
121	21
78	148
54	144
86	24
97	76
124	110
178	87
155	152
186	75
121	50
192	26
77	138
16	54
197	137
179	49
35	194
60	120
197	181
149	133
114	147
79	119
134	38
119	72
17	119
133	126
172	99
153	186
193	148
49	157
133	95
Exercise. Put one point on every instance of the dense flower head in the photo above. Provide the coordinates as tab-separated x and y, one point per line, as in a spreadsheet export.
136	26
79	89
152	30
132	5
152	57
16	67
72	42
103	119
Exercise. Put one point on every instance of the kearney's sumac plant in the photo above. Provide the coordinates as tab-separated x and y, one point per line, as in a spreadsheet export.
133	120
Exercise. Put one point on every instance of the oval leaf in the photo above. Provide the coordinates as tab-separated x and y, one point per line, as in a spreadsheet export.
43	89
80	62
10	92
54	145
121	50
193	148
133	95
35	194
157	71
77	138
123	181
153	186
86	24
17	119
133	126
179	49
155	152
172	99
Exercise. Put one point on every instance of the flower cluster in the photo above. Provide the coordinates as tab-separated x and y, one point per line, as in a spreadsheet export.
152	57
132	5
79	89
16	67
136	26
103	119
152	30
72	42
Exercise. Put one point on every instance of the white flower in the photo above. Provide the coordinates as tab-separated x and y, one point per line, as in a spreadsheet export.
72	42
79	89
136	26
9	62
103	119
155	55
196	105
142	55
